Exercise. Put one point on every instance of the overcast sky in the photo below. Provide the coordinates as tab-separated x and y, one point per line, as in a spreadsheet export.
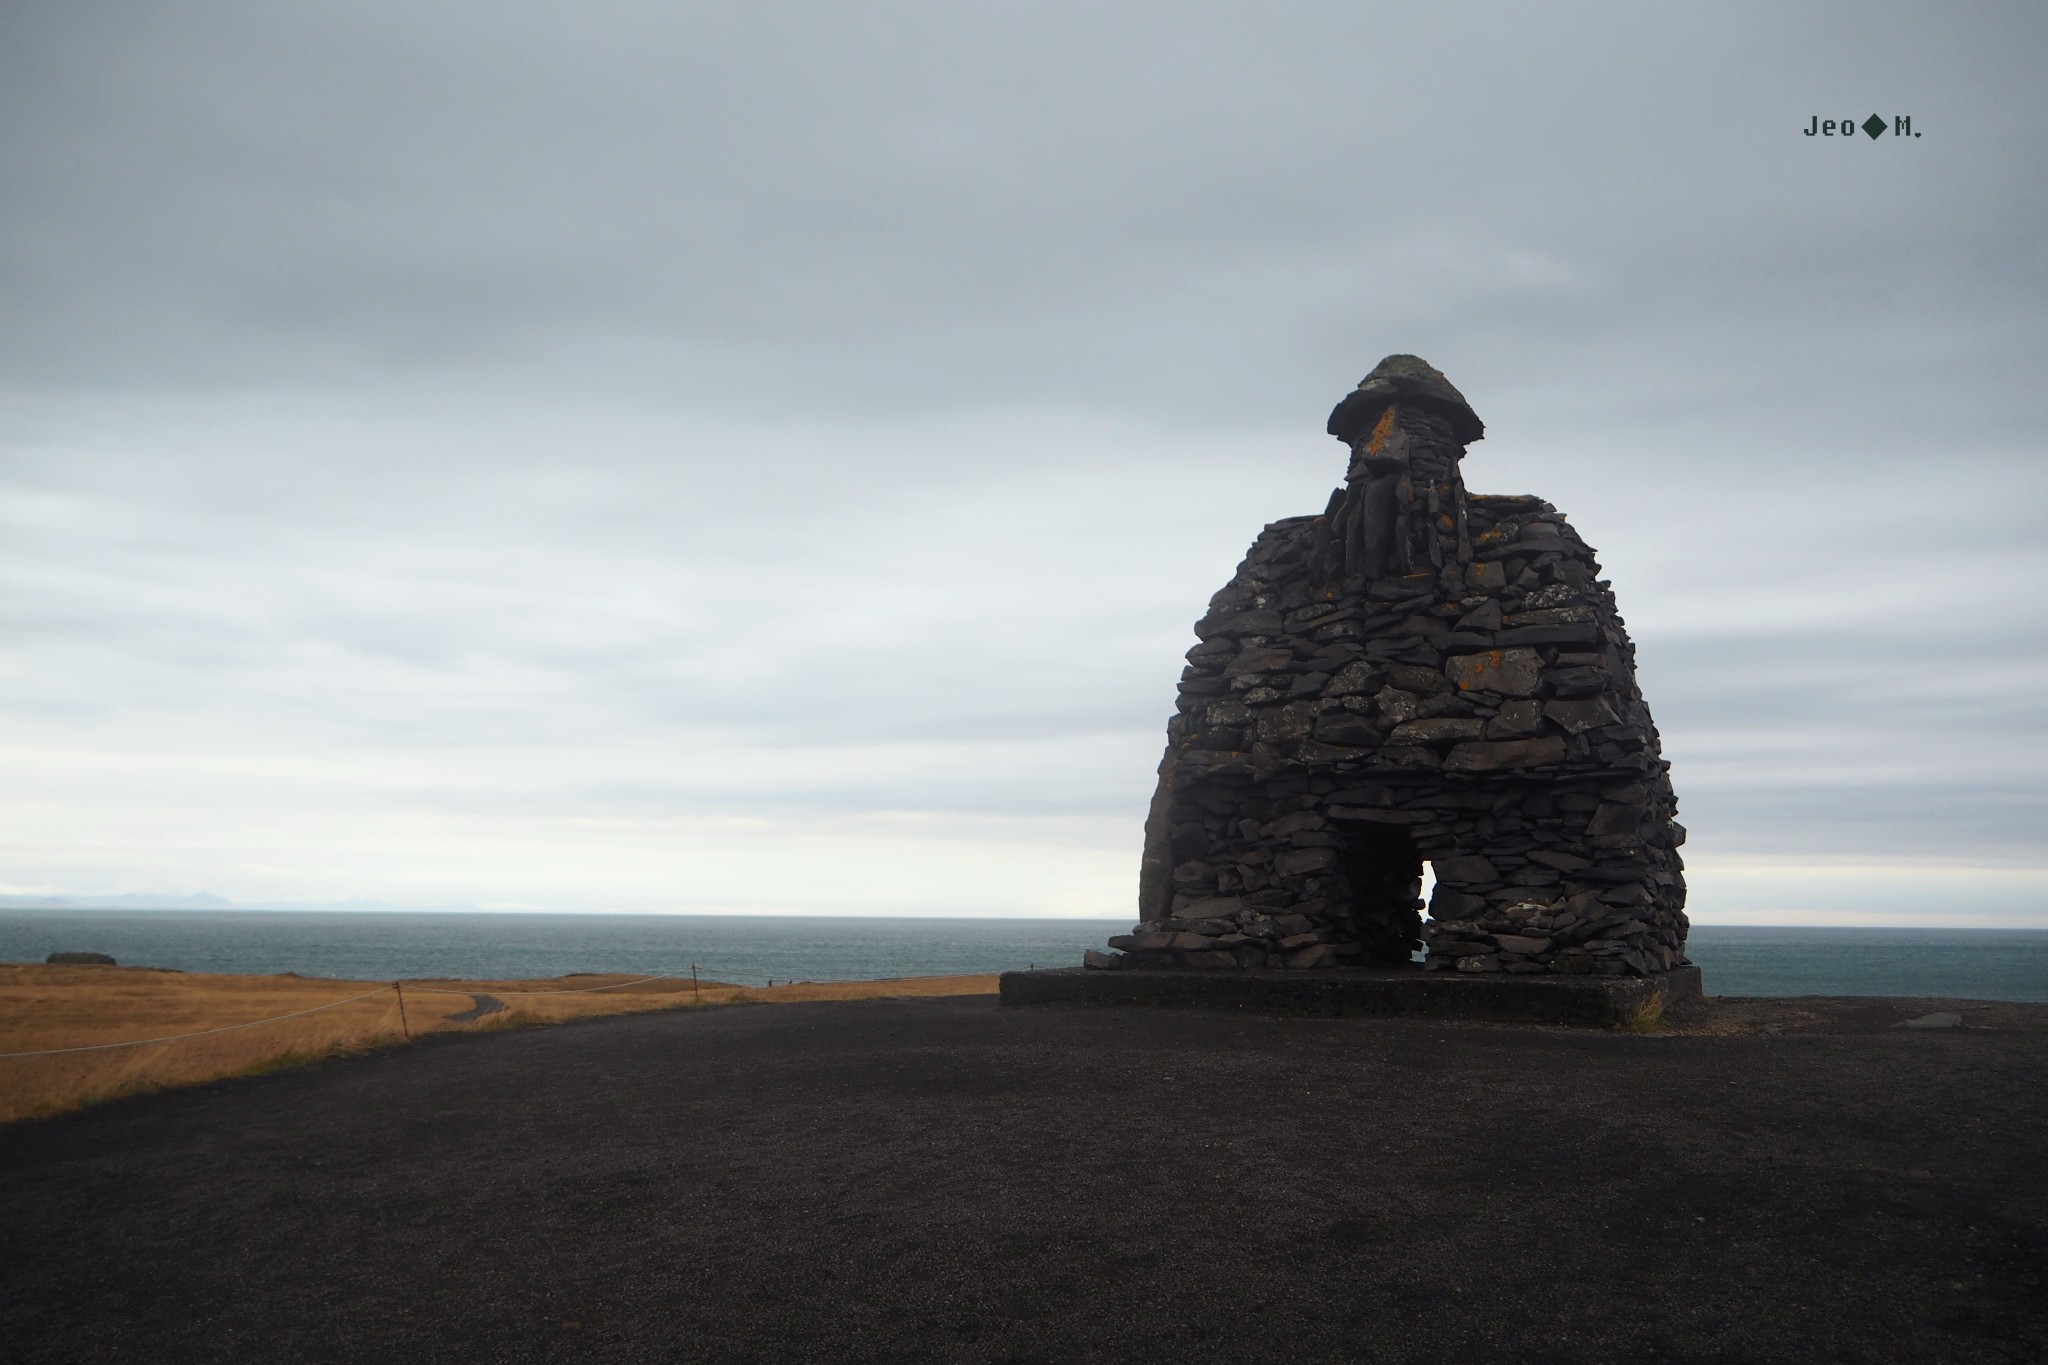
768	457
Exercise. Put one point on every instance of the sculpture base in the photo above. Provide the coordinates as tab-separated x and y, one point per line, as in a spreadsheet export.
1533	999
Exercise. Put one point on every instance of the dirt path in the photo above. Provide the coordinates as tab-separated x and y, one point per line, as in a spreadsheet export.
942	1180
479	1006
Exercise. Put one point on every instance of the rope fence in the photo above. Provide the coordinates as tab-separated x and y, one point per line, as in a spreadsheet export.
202	1033
578	990
58	1020
397	986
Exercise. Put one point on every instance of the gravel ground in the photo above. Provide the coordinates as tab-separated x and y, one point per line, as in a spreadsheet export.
912	1180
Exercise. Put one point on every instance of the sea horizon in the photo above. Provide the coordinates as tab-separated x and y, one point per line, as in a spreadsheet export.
365	944
156	904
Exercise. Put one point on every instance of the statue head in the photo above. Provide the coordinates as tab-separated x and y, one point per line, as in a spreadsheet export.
1399	379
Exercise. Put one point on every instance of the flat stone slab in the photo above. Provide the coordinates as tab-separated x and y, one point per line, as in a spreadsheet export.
1546	999
1940	1019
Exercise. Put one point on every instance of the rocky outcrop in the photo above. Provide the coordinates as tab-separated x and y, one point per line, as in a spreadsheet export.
1418	674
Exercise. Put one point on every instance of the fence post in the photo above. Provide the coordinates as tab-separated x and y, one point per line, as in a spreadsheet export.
399	986
696	992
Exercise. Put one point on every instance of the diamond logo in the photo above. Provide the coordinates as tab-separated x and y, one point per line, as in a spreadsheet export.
1873	126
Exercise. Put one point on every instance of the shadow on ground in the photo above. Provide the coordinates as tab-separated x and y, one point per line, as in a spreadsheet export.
941	1180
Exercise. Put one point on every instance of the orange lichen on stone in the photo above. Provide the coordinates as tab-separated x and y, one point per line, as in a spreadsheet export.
1490	659
1510	672
1381	430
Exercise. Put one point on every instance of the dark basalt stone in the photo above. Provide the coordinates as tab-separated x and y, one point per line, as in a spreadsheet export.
1399	379
1419	675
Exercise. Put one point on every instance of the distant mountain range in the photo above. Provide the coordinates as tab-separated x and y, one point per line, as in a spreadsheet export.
127	900
199	900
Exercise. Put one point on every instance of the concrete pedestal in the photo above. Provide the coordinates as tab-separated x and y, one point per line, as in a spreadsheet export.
1545	999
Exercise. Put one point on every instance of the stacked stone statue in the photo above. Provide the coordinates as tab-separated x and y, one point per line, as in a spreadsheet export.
1420	673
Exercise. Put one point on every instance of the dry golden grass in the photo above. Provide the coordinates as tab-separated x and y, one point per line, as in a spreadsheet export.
1644	1018
45	1007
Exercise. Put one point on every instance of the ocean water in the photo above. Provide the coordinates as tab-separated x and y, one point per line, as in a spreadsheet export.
1983	964
1967	964
375	946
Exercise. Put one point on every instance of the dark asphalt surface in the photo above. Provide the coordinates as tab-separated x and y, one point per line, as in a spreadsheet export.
946	1181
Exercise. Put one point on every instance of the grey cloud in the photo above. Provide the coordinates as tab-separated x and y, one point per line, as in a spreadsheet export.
896	382
913	205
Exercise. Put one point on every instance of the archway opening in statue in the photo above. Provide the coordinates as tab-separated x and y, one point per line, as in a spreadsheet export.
1384	871
1427	890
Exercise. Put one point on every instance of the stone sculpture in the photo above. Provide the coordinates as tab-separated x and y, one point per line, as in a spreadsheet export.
1420	673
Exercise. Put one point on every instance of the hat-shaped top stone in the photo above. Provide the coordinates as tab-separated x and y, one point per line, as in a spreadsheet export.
1403	379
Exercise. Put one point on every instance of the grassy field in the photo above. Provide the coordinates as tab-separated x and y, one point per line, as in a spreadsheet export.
48	1007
